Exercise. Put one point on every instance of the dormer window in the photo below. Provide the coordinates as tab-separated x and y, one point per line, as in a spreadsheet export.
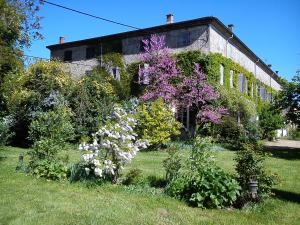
68	56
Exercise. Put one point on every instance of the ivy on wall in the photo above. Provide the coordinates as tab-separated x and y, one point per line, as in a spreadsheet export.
210	64
123	86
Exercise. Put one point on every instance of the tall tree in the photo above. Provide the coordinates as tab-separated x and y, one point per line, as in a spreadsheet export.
19	25
288	99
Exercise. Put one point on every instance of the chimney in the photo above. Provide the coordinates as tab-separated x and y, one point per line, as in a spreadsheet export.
61	40
230	27
170	18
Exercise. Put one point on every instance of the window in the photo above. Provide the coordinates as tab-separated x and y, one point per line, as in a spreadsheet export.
183	39
115	72
258	89
142	44
68	56
262	93
221	74
231	78
242	83
145	78
90	52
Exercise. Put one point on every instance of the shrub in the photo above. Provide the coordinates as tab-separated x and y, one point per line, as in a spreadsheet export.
230	132
55	125
40	88
52	170
114	145
250	166
50	131
172	164
156	122
294	134
212	188
92	101
134	176
44	161
5	132
200	182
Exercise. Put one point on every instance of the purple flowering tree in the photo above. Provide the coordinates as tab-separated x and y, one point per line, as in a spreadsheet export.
191	92
196	94
159	70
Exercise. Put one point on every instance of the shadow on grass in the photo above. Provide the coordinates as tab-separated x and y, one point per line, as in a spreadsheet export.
287	196
284	152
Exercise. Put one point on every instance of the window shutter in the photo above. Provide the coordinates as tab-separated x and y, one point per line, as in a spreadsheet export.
221	74
240	82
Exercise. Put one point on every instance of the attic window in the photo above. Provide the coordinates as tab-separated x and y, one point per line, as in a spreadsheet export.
183	39
68	55
90	52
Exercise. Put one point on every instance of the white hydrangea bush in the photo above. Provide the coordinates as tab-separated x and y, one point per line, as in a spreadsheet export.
114	145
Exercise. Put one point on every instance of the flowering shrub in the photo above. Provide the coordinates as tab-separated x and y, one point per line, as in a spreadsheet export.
160	72
195	92
114	145
156	122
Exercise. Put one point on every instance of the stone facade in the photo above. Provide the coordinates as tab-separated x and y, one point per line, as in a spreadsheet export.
79	65
198	40
205	38
220	44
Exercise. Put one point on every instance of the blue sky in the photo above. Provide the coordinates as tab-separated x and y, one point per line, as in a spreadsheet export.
271	28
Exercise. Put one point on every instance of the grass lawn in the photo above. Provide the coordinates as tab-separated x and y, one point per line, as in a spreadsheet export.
27	200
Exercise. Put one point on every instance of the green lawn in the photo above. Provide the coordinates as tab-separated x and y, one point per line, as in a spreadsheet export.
27	200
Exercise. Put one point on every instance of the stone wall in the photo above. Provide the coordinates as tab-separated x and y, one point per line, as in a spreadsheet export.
219	44
79	65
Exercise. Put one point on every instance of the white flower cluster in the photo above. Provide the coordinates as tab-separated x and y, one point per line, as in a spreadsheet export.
114	145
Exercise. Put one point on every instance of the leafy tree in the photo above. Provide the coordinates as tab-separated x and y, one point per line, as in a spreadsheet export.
288	99
39	89
270	119
19	25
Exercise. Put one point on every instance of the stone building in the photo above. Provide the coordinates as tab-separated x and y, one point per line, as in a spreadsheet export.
207	34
